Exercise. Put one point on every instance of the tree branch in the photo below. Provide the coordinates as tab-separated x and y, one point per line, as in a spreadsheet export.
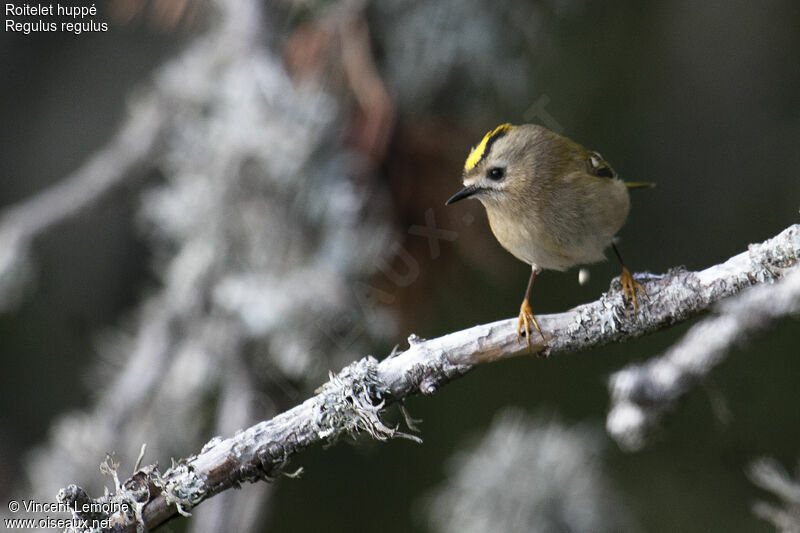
100	174
769	475
353	401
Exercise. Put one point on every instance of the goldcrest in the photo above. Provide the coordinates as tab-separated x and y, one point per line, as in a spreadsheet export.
551	202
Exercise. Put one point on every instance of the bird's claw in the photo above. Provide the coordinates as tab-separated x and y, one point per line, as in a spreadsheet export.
629	288
526	318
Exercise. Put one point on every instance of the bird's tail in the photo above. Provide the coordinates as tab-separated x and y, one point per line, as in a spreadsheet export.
639	184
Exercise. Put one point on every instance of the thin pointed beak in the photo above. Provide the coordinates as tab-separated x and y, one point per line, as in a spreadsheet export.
466	192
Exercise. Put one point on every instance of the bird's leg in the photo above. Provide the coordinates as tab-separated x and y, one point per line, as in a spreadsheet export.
629	285
526	317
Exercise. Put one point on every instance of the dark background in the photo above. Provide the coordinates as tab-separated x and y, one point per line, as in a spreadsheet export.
700	98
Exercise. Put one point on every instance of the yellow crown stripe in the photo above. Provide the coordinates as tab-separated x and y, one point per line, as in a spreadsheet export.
480	151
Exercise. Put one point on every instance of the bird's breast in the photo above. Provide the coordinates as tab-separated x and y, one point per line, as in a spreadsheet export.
528	241
565	234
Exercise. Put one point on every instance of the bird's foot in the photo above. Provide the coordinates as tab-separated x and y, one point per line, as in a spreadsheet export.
629	288
526	319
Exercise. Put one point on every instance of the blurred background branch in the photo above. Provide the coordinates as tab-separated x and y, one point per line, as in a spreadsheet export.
769	475
21	223
564	487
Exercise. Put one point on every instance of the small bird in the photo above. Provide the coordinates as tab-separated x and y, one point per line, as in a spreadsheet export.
551	202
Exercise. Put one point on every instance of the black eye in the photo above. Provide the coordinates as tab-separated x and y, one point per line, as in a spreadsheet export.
496	173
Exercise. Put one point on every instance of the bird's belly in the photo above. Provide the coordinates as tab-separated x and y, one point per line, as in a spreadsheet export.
536	247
